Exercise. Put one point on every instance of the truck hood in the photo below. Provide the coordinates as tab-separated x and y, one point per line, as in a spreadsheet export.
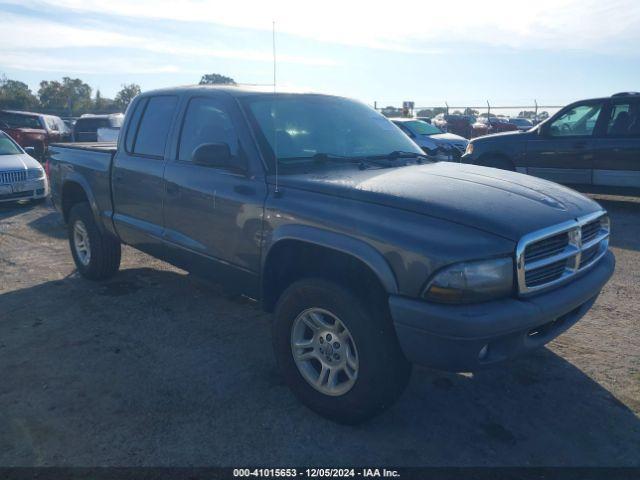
506	136
504	203
20	161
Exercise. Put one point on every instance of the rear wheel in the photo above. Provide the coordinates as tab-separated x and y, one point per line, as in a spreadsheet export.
96	255
340	358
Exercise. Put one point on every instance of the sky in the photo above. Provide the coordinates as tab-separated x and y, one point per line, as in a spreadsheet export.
430	52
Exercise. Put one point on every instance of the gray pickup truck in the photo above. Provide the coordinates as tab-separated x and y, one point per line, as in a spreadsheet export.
371	257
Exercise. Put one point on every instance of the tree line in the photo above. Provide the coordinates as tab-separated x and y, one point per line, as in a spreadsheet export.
67	97
71	97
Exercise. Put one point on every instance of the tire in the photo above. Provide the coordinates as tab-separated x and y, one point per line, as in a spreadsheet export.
382	370
104	250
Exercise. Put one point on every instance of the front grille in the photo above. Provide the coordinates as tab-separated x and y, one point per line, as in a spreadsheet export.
590	231
588	255
13	176
547	247
548	273
553	255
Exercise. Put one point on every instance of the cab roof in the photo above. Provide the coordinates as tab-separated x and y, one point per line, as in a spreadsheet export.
233	90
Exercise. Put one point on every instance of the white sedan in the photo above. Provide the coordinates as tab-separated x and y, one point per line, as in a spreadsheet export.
21	176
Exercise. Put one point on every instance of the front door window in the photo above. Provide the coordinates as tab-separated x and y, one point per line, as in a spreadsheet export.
579	121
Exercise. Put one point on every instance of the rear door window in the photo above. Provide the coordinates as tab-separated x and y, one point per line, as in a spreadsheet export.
154	126
624	120
132	129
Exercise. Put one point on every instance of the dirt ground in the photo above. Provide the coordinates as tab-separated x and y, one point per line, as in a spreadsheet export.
155	367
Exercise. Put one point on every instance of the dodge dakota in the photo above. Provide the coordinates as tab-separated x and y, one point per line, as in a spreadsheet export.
371	257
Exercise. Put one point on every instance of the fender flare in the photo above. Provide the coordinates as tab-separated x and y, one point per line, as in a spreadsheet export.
74	177
354	247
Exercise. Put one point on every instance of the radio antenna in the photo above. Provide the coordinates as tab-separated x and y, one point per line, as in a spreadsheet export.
275	132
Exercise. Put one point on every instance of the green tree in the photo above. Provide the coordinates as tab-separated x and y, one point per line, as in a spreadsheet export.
16	95
71	96
127	93
103	104
471	111
216	79
99	102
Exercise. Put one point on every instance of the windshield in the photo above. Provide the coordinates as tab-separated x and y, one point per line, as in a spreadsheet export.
7	146
308	125
17	120
523	122
421	128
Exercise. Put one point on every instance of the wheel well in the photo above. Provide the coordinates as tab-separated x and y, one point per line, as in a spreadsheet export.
291	260
496	160
72	193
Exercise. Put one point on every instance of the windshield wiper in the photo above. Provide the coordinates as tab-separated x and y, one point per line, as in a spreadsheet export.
397	154
361	161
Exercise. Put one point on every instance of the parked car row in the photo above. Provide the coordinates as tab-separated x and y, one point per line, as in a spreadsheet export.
34	129
437	144
489	125
38	130
94	128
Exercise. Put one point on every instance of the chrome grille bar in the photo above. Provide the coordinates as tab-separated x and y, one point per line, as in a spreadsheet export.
549	264
13	176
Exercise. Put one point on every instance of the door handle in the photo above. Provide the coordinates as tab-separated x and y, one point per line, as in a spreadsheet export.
580	145
172	189
118	177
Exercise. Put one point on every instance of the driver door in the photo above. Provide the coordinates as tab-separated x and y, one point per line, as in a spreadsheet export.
565	148
213	215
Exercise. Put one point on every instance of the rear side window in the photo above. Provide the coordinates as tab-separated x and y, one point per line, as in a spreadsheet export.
154	126
133	124
17	120
624	120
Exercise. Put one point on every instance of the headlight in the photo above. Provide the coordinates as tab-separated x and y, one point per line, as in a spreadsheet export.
35	173
469	149
470	282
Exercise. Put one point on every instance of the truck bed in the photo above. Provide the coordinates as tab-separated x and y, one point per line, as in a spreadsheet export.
87	164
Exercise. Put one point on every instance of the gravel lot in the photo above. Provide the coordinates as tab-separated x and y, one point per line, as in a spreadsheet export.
155	367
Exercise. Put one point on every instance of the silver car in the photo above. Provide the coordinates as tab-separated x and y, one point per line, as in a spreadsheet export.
433	141
21	176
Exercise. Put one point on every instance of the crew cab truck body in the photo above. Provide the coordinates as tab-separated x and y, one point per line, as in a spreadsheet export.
370	257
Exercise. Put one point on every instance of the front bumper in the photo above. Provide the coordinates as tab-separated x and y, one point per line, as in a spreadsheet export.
454	337
28	190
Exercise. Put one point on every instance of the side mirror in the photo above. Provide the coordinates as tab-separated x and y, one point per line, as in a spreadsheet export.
214	155
30	151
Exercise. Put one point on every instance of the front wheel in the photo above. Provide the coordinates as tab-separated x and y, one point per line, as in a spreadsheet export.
96	254
340	358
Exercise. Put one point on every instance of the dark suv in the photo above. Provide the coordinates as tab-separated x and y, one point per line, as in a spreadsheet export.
592	142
